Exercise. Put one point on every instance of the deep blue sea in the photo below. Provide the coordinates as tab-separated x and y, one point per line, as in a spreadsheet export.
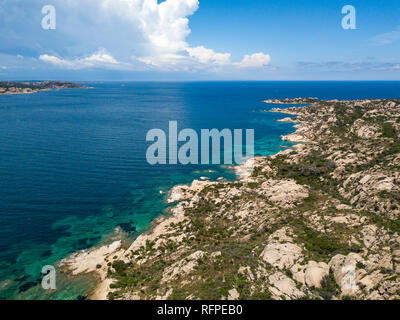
73	165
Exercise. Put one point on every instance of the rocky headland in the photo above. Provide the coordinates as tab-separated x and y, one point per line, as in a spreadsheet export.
11	87
292	101
317	221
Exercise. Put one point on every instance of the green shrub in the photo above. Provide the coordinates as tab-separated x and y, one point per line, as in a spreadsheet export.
120	267
329	288
388	130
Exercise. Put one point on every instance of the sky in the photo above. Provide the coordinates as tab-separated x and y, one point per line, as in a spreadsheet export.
178	40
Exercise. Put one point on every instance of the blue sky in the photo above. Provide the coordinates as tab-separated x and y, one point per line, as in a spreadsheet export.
199	40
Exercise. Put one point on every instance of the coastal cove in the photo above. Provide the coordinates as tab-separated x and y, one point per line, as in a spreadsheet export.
292	212
98	260
107	194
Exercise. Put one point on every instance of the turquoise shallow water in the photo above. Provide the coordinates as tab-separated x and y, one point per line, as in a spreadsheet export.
73	167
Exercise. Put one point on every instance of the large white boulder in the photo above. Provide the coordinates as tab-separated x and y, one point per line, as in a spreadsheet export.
314	273
281	255
285	193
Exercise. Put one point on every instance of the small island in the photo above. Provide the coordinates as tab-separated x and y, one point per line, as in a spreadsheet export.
11	87
292	101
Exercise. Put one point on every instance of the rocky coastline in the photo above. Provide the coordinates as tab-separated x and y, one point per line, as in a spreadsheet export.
11	88
292	101
317	221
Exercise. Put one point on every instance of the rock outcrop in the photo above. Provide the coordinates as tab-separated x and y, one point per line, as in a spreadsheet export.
317	221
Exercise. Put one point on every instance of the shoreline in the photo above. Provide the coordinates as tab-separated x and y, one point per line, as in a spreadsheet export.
88	261
16	88
288	226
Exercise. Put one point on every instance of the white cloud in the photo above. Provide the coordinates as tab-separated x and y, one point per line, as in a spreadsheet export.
205	55
256	60
164	25
136	35
387	38
56	61
98	59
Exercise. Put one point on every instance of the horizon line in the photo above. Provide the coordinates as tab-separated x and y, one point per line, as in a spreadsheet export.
93	81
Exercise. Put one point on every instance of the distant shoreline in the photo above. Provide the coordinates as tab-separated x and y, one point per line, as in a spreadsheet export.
12	88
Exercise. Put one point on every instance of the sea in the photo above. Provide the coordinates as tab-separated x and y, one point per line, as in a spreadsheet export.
73	168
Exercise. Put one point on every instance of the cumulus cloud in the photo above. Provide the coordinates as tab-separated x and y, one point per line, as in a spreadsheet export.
256	60
98	59
56	61
164	25
135	35
205	55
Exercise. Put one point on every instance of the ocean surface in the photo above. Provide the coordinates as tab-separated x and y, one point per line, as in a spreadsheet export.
73	162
